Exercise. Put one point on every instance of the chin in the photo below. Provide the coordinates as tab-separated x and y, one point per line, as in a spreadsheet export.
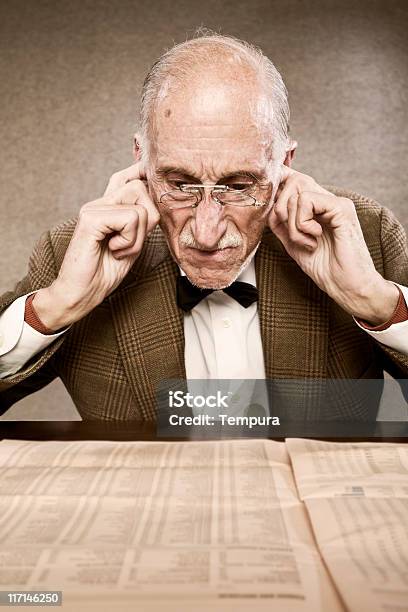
210	278
211	269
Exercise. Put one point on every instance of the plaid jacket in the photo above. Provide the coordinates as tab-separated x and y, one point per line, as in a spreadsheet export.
112	361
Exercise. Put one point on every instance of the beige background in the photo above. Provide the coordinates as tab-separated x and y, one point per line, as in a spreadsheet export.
71	73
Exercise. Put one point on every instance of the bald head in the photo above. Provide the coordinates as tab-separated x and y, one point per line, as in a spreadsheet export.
213	75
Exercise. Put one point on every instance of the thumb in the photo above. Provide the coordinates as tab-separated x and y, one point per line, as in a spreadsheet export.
278	228
135	192
121	178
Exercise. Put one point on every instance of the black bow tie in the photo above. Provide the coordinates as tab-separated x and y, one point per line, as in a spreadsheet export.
189	296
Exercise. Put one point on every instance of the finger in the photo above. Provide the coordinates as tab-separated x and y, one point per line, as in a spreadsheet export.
129	195
142	197
123	239
136	192
296	236
122	177
279	229
296	183
304	181
305	216
281	204
137	246
286	172
332	210
278	193
123	227
273	220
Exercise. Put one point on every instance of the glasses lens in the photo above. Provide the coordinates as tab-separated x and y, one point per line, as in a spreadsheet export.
179	199
235	198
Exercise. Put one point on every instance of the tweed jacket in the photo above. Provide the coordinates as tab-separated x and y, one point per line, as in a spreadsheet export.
113	360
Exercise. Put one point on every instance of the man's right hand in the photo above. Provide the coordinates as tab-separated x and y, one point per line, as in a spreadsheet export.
107	239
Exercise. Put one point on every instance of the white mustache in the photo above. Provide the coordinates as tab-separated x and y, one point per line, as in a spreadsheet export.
230	239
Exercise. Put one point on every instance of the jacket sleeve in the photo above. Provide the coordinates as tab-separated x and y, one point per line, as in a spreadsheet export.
39	371
394	250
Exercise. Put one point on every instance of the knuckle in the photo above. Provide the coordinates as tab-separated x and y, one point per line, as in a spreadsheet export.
109	201
131	185
347	202
133	215
303	198
84	210
142	211
293	199
278	212
305	179
281	212
293	230
134	183
129	191
348	207
306	198
155	216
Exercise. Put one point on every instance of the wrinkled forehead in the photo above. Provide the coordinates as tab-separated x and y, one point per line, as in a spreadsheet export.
207	122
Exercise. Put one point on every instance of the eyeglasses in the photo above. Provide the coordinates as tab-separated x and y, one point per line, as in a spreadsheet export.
189	196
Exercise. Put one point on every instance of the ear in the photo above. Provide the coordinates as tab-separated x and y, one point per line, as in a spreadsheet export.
290	153
137	150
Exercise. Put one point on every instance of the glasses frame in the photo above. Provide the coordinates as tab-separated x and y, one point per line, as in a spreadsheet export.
197	191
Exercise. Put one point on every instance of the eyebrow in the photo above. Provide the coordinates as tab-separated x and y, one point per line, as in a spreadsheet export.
166	170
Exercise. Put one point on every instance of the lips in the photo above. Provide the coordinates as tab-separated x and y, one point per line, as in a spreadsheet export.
209	256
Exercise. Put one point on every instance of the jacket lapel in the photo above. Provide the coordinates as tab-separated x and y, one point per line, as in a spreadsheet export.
293	314
149	325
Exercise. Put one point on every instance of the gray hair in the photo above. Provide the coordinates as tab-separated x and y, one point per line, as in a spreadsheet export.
179	62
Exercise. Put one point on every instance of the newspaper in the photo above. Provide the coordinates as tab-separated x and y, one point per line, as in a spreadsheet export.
207	524
226	525
357	498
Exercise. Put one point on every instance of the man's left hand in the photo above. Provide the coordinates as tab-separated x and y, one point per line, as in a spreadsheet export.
322	233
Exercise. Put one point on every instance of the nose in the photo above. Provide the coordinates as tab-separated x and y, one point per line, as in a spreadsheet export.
208	225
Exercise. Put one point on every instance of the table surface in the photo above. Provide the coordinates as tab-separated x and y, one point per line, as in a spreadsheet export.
132	430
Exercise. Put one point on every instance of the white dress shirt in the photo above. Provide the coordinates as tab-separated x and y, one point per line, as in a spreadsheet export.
222	339
223	343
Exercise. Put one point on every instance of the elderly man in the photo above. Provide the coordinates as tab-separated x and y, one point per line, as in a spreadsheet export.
209	257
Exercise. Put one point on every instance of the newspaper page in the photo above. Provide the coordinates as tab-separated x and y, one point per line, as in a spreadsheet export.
357	499
185	525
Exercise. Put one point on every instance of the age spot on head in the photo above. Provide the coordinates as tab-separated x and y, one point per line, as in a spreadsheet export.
167	112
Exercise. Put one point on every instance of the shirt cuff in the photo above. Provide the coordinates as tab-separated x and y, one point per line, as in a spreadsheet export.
19	342
396	335
399	315
31	317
